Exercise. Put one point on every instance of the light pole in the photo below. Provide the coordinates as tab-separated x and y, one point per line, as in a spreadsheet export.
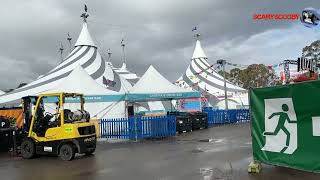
223	63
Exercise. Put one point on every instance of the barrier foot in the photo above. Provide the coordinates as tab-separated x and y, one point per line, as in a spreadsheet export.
254	167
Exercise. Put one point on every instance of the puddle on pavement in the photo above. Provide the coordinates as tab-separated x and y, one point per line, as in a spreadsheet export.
211	140
209	173
198	150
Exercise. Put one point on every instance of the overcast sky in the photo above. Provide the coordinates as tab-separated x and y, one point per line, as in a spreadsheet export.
156	32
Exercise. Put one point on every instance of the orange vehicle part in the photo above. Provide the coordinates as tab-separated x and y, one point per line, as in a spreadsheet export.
13	113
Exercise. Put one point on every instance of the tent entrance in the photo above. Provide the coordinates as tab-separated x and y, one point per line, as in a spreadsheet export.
130	110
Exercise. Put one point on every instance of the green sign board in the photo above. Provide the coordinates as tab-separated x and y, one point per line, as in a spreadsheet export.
286	125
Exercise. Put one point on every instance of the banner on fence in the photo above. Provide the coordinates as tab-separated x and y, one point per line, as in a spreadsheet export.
286	125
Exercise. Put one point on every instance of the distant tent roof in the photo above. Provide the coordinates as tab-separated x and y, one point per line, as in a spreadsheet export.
152	85
2	92
125	73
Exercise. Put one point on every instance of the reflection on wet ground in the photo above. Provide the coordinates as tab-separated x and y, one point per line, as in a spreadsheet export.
217	153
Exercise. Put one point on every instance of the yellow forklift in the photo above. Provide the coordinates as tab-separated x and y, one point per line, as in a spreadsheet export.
56	124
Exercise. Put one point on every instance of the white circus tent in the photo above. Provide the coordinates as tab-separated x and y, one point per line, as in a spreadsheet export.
152	87
200	75
150	106
84	54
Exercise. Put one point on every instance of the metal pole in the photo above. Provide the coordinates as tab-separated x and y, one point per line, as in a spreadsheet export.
123	52
225	86
69	39
223	64
61	52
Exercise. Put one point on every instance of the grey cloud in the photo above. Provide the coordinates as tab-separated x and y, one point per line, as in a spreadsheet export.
156	31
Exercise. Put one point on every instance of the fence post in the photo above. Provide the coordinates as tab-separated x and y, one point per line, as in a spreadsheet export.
135	128
131	122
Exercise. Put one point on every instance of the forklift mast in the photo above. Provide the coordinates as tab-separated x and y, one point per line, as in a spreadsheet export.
27	104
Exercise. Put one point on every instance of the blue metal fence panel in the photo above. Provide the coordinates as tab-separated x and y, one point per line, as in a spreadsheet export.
138	127
218	116
161	126
114	128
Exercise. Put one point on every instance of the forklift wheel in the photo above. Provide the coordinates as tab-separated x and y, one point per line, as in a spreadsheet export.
67	152
27	149
91	151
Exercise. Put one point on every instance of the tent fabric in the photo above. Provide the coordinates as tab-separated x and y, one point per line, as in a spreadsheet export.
125	73
2	92
84	37
152	85
79	81
201	76
132	78
198	51
86	55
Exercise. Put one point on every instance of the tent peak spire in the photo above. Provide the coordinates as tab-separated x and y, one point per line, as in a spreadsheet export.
84	38
85	14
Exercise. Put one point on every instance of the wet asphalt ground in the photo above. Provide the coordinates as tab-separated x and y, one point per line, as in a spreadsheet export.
188	156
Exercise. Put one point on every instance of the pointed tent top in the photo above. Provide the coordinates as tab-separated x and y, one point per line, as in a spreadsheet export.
84	38
1	92
153	82
124	66
198	51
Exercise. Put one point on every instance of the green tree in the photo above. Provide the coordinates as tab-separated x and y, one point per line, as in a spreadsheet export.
255	75
312	51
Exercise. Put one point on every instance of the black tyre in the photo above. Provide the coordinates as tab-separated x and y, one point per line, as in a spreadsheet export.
67	152
28	149
91	151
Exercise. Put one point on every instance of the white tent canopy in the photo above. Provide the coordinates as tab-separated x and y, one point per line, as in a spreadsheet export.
2	92
100	102
79	81
152	85
202	76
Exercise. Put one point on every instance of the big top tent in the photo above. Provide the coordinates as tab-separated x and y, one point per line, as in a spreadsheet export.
201	76
83	71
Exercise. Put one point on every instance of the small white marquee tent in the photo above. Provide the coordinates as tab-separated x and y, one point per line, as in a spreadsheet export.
152	86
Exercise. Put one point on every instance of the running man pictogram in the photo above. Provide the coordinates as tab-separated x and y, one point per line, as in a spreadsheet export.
283	116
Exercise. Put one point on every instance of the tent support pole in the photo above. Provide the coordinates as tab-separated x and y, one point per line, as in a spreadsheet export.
126	109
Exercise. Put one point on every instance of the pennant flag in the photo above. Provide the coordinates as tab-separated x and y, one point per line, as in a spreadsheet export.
194	28
108	82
